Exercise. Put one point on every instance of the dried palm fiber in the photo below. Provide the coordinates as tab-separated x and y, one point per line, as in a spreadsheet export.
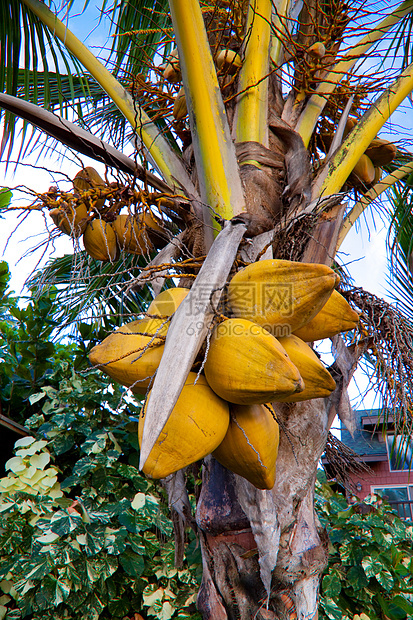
250	446
131	354
343	464
167	302
196	426
280	293
71	220
386	335
99	240
246	365
262	174
318	381
334	317
297	186
86	179
133	232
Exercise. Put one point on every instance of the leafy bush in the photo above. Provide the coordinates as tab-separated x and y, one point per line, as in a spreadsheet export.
94	541
370	566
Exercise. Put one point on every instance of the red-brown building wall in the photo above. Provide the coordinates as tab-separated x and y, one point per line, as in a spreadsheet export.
381	476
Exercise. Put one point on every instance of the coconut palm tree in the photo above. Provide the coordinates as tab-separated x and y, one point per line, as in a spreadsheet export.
255	125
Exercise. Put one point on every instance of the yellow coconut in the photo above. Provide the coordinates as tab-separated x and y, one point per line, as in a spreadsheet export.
167	302
246	365
250	446
334	317
280	295
172	71
180	109
133	232
99	240
196	426
86	179
229	61
381	152
363	172
318	381
70	220
317	50
131	354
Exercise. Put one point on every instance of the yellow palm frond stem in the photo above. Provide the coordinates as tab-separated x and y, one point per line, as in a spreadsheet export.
309	116
214	151
160	152
371	195
363	133
252	106
278	28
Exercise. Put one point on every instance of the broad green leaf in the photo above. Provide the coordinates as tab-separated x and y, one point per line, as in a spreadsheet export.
95	540
332	585
24	442
15	464
62	523
119	607
34	398
138	501
332	610
386	579
40	460
132	563
356	577
371	566
115	540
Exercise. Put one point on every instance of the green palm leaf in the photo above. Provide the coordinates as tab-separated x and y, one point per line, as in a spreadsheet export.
91	291
401	245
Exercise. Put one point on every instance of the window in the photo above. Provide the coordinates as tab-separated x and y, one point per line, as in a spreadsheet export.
399	497
400	451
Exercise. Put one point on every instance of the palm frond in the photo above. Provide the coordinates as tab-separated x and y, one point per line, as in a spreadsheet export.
142	35
400	243
75	137
92	291
31	61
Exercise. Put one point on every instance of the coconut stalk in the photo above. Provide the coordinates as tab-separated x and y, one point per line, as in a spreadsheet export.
252	106
189	327
79	139
363	133
277	46
308	118
216	163
166	161
368	198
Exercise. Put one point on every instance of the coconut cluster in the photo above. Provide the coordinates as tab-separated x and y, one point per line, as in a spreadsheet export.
256	356
91	213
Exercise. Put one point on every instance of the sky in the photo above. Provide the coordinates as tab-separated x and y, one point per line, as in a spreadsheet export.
363	252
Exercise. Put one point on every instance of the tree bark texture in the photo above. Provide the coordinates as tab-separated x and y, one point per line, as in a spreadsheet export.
264	551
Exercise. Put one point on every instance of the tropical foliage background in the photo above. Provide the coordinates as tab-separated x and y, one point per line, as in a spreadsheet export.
95	540
85	534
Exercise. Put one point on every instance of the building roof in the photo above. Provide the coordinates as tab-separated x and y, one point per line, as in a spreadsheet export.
367	441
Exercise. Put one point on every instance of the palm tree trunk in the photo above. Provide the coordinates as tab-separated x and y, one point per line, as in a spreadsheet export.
264	551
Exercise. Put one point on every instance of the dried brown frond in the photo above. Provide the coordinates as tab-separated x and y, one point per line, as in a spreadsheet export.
343	463
291	241
386	337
